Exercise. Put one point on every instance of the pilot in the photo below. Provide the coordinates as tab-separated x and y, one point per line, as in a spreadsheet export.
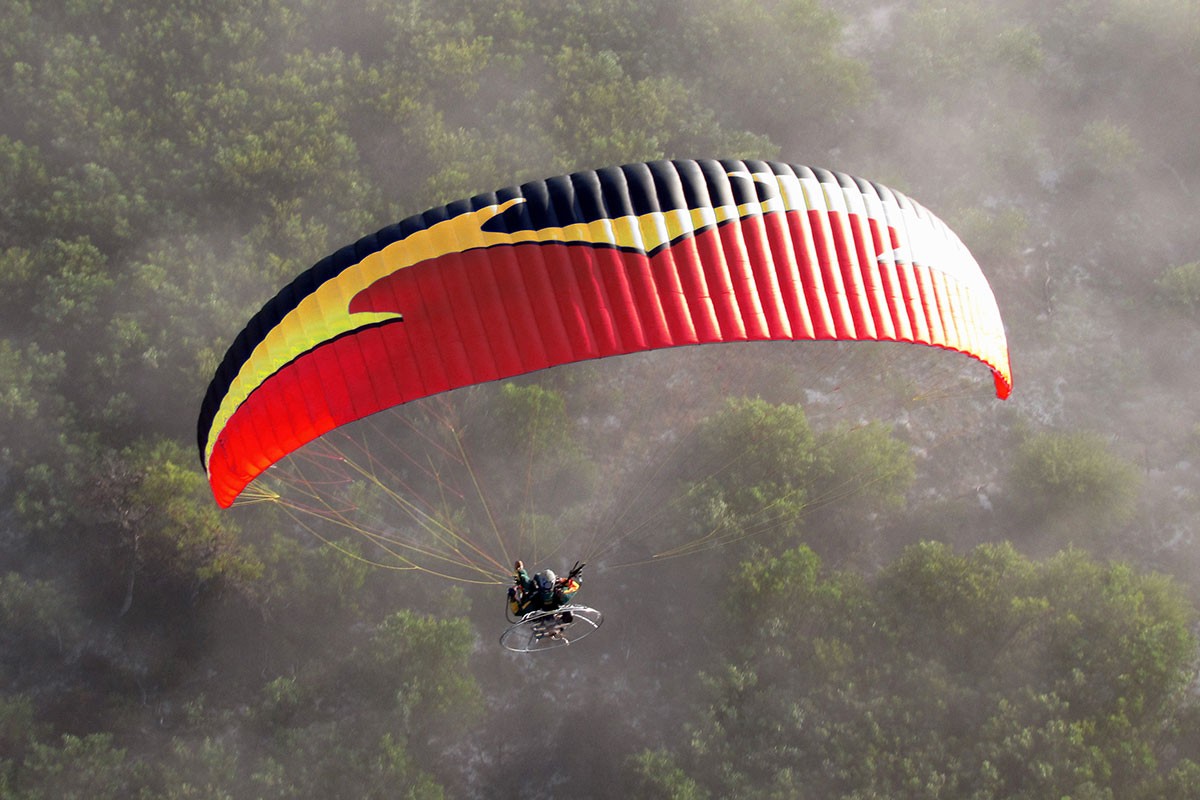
545	591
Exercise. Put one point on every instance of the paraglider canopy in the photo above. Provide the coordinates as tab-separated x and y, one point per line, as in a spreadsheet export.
584	266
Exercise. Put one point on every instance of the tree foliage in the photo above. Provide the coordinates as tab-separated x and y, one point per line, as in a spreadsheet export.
166	166
1071	485
1179	287
977	675
754	461
760	469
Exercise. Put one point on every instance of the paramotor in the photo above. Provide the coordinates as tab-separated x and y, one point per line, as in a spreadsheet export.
545	630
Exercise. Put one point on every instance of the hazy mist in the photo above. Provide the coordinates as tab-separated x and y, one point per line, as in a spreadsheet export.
165	169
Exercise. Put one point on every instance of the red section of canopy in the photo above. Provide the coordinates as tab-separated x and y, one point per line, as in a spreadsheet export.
494	313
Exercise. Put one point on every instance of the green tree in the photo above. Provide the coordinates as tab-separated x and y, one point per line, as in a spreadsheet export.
790	50
75	281
419	658
759	469
81	768
658	778
751	464
528	419
525	429
861	472
38	623
1072	487
23	174
977	675
361	724
304	577
1179	287
19	729
173	540
32	412
602	115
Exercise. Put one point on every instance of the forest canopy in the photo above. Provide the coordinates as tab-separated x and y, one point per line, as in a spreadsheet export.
949	596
